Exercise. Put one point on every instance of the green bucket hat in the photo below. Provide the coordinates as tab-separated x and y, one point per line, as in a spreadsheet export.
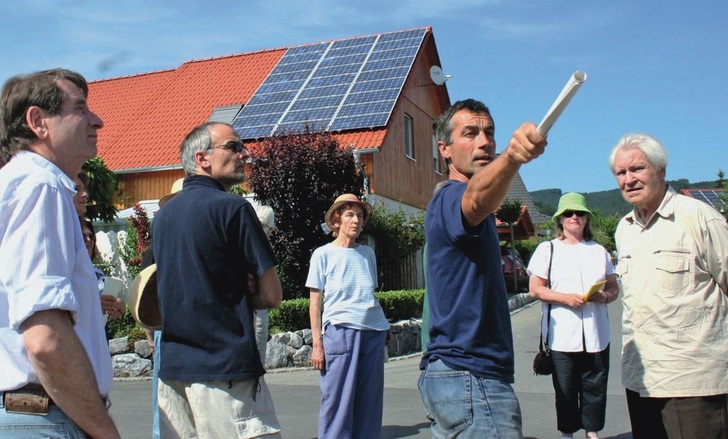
571	201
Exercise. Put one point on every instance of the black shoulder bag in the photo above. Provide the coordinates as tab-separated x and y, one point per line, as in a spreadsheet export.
542	364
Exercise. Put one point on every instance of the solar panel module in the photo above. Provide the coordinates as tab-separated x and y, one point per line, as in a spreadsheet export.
333	86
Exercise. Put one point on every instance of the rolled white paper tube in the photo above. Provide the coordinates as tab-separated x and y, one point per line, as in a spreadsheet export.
570	89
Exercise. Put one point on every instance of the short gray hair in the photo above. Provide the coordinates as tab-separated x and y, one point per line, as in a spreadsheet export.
650	147
199	139
267	217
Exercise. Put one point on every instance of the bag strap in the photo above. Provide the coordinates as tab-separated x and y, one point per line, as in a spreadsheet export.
548	314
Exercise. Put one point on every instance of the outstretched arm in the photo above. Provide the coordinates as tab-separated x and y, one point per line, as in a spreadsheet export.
489	186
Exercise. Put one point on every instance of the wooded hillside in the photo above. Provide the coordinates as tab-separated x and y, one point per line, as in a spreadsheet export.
607	202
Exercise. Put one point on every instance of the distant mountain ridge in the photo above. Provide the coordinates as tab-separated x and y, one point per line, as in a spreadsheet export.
607	202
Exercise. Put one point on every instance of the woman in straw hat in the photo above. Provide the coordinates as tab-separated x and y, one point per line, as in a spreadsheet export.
575	284
350	335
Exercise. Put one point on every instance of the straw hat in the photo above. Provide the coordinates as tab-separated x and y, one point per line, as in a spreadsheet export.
143	301
344	199
176	187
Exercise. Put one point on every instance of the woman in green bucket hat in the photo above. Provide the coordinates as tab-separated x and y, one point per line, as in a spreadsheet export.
575	283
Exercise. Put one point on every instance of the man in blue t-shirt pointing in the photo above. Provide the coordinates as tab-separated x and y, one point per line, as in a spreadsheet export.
468	366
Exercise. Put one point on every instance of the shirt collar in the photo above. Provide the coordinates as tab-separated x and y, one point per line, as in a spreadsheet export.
666	209
40	161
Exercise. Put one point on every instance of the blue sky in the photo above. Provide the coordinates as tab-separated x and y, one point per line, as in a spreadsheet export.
654	66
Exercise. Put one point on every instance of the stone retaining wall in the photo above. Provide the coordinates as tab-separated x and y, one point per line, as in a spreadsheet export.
286	349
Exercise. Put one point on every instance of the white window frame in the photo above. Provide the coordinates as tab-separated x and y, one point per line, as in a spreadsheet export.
409	136
436	163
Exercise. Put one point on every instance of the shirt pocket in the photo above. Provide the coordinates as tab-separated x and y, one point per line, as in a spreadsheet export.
673	271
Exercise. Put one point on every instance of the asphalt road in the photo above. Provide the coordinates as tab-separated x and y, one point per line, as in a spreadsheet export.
296	394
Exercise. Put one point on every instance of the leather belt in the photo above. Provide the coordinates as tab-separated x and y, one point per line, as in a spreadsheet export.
29	399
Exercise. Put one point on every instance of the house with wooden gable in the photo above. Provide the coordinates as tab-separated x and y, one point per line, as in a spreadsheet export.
378	94
375	93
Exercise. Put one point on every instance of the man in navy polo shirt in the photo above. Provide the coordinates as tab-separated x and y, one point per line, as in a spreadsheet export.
206	241
468	366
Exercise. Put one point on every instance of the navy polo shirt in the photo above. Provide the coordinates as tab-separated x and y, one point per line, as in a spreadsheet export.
205	241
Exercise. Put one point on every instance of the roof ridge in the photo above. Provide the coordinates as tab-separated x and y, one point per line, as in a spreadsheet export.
133	75
426	28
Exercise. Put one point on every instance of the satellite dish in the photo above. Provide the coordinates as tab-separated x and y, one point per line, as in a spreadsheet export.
436	75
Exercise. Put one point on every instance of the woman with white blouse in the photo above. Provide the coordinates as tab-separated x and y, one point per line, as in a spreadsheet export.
349	336
577	327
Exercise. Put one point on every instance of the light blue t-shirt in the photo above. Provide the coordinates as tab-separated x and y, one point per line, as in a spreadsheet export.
347	277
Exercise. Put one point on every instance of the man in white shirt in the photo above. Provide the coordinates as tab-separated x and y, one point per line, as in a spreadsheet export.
673	264
56	364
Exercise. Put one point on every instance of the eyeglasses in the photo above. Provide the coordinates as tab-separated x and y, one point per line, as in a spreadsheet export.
236	146
570	213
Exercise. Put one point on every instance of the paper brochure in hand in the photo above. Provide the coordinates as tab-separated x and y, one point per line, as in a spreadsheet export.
594	289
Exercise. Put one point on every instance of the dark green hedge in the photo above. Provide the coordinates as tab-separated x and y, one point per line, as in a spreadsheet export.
293	314
397	305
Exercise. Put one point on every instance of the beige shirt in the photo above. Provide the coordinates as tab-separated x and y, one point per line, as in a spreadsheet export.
673	271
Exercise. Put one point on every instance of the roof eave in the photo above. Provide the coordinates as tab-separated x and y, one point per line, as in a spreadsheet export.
148	169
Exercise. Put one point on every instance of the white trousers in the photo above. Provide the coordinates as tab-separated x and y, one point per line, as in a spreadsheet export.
217	409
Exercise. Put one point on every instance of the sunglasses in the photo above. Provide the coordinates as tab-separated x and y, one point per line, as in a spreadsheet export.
236	146
570	213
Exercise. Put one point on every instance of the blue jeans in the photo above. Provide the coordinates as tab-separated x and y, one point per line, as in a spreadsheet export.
465	406
54	425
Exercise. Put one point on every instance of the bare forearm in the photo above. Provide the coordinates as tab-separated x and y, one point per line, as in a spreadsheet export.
314	315
490	185
612	288
63	368
539	289
270	292
318	357
488	188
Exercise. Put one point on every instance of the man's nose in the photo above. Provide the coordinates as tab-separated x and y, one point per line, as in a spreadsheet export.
96	121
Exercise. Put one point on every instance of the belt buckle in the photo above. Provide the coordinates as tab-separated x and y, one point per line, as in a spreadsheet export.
31	400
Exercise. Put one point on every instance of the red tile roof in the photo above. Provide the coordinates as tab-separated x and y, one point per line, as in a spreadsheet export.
147	115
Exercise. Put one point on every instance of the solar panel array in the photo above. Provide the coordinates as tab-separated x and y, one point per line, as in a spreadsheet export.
709	196
337	85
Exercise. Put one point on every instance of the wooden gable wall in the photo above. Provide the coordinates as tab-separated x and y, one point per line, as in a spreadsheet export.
394	175
140	186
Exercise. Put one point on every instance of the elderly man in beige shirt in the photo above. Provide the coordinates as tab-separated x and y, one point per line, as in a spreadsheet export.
673	264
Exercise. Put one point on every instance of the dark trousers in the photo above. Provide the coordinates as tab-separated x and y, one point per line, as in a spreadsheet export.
704	417
580	384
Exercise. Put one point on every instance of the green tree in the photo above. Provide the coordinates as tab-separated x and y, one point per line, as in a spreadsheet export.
724	198
509	212
397	235
299	175
603	228
101	189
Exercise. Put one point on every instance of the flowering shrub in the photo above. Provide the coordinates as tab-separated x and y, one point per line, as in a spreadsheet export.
138	239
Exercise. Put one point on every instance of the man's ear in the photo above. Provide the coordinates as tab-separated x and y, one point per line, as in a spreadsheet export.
35	117
444	150
202	159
